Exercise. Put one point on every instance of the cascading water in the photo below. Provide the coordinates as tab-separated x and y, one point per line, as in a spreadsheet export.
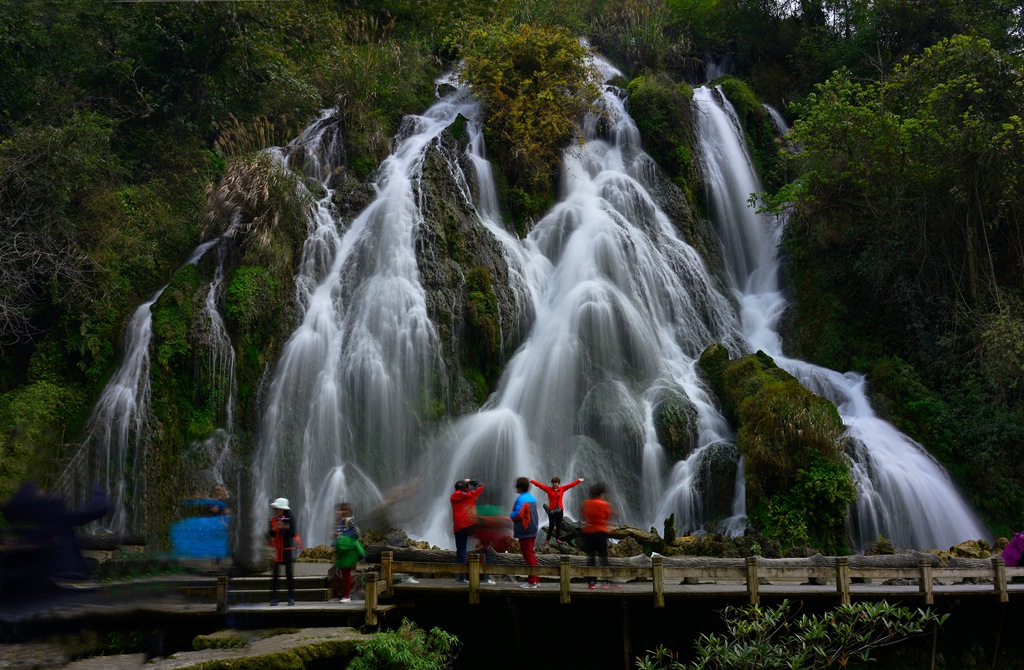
113	453
903	493
623	310
219	369
341	417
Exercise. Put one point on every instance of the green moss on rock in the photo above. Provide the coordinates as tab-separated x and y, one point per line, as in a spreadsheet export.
662	112
32	419
799	485
250	290
673	420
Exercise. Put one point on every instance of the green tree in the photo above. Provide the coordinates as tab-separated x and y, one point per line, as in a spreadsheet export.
535	83
917	178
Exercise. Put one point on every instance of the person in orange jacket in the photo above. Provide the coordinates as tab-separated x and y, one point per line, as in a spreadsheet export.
555	509
464	520
596	513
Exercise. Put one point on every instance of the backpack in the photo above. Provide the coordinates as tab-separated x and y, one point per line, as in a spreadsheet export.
1014	550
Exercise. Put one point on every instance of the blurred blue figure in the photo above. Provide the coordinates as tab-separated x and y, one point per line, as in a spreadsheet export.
203	533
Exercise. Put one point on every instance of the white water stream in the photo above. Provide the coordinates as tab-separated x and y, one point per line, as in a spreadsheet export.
903	493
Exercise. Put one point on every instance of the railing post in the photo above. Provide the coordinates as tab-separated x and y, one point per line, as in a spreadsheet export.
843	579
658	578
222	593
999	578
474	579
386	559
564	579
925	582
752	585
370	587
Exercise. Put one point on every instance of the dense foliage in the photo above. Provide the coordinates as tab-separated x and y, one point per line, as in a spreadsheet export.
906	245
536	84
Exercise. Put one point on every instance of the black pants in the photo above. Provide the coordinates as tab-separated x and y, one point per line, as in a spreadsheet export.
596	546
555	524
289	573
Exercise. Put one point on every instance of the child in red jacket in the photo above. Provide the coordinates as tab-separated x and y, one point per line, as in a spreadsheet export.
555	508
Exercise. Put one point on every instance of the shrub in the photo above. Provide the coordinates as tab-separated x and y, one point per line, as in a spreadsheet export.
407	648
763	637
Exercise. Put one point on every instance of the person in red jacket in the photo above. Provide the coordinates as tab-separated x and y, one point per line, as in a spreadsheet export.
464	520
596	513
555	508
284	538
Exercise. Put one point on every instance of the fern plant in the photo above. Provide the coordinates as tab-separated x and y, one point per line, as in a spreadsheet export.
407	648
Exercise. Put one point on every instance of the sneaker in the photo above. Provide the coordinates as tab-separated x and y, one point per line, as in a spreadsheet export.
273	603
529	585
490	580
291	602
591	585
411	580
461	580
345	600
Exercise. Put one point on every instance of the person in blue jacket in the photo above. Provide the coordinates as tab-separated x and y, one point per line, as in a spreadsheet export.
524	527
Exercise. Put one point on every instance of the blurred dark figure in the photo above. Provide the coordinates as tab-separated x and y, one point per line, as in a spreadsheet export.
42	532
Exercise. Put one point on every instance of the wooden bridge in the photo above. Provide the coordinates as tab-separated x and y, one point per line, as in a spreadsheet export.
639	602
911	579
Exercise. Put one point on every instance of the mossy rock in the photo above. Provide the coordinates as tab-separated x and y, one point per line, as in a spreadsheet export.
780	422
663	115
222	639
674	422
799	485
280	649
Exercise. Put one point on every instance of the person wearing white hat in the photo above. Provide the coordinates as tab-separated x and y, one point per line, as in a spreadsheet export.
285	540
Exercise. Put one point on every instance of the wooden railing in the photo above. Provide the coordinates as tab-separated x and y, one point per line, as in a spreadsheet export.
750	572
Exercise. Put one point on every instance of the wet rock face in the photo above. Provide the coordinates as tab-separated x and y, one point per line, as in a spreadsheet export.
465	276
717	480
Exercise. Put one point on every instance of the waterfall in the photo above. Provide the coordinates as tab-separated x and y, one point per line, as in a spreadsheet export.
623	309
219	370
342	415
616	307
903	493
113	453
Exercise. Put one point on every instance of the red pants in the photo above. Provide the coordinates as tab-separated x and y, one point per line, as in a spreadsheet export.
529	555
341	582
